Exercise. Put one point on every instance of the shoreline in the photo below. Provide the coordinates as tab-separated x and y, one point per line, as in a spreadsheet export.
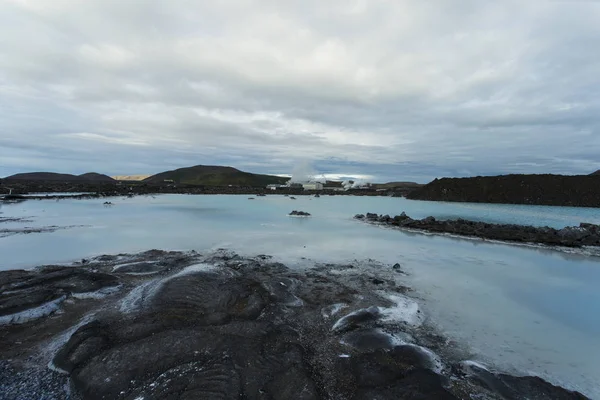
344	331
94	190
584	236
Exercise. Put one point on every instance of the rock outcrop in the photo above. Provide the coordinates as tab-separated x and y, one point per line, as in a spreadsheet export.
573	236
28	295
299	213
223	326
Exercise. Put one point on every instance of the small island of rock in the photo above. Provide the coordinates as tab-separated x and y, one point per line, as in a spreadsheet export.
299	214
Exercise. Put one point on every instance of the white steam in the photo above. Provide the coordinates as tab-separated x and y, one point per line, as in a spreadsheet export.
302	173
355	184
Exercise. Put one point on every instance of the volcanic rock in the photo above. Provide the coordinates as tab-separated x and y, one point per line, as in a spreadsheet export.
575	236
299	213
224	326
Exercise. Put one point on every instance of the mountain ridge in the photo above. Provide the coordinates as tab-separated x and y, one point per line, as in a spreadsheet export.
58	177
96	177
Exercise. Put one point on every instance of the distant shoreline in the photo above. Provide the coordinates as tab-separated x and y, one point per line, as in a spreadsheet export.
135	188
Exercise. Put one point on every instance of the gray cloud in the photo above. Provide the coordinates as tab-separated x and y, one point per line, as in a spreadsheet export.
392	89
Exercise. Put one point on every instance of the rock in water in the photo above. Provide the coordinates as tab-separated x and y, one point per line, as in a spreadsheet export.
372	217
573	236
299	213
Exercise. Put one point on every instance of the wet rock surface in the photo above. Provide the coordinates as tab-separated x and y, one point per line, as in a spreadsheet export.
27	230
24	292
573	236
5	232
10	219
223	326
511	387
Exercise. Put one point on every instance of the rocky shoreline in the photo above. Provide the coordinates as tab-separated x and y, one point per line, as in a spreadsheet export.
572	236
180	325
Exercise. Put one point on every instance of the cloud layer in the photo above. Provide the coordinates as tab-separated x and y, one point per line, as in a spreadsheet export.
390	89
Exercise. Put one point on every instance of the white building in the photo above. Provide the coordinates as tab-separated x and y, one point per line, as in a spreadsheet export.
276	186
312	186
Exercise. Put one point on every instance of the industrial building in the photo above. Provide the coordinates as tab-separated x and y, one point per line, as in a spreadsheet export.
276	186
295	185
312	186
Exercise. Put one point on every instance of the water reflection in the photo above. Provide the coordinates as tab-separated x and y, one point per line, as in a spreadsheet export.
523	307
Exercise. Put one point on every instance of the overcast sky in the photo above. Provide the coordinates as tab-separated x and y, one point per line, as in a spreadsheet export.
387	90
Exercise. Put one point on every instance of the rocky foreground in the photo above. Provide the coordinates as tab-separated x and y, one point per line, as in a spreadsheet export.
571	236
172	325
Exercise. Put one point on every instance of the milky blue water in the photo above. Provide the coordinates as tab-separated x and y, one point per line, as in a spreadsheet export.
520	309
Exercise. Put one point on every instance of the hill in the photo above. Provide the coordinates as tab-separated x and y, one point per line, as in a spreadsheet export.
45	176
56	177
210	175
554	190
596	172
394	185
96	177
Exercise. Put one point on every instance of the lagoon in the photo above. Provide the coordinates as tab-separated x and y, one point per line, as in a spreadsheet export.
521	309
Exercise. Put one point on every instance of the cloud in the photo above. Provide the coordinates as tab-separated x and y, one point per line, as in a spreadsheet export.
393	90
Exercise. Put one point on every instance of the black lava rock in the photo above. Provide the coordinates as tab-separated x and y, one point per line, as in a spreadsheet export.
300	213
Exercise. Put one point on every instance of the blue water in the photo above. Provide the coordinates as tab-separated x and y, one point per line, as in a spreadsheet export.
521	309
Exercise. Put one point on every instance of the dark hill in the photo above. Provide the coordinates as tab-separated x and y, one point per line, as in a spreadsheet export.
45	176
554	190
596	172
334	184
56	177
96	177
210	175
394	185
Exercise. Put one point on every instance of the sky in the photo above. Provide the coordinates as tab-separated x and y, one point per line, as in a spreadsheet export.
378	89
